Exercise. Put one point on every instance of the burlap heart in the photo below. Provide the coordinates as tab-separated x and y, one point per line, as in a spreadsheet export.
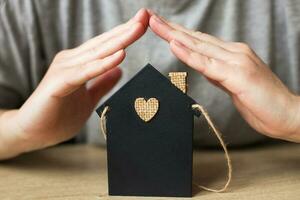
146	110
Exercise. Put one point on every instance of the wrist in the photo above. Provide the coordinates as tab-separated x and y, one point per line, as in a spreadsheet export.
11	142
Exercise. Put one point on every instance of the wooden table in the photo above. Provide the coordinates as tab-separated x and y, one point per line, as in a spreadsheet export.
79	172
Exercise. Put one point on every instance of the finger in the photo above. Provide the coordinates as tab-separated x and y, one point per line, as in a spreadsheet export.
141	17
97	67
205	48
75	77
201	36
203	64
235	47
119	42
150	12
108	48
103	84
197	34
211	68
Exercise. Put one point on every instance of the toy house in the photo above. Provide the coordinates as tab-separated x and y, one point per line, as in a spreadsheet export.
150	136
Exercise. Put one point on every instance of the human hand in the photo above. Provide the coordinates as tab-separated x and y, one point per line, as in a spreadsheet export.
258	94
71	88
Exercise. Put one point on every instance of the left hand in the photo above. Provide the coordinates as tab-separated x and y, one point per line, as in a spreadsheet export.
258	94
76	80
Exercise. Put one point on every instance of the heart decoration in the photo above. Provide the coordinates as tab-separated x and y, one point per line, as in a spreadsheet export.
146	109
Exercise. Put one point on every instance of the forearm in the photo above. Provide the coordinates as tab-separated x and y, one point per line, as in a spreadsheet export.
10	144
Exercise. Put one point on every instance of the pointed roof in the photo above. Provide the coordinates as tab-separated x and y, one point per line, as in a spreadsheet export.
147	76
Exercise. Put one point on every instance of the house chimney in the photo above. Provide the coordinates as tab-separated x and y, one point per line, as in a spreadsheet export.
179	80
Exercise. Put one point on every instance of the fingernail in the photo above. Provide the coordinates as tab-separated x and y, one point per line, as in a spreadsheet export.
138	13
118	53
151	12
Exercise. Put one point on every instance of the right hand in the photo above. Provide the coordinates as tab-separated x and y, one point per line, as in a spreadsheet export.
63	101
258	94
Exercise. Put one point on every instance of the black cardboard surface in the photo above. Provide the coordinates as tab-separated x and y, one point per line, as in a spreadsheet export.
150	158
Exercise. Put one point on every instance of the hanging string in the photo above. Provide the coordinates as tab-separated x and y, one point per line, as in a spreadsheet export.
103	121
216	132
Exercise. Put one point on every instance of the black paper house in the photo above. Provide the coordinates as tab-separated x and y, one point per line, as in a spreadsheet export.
150	155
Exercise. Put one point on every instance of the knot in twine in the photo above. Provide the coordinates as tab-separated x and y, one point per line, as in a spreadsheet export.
215	131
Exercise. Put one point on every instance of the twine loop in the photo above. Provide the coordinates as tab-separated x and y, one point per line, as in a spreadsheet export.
227	157
103	121
215	131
